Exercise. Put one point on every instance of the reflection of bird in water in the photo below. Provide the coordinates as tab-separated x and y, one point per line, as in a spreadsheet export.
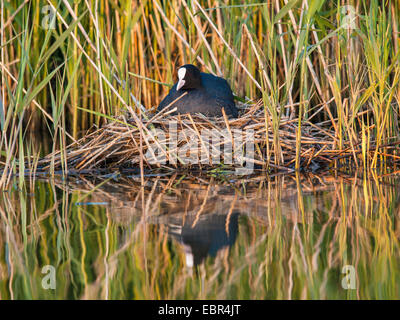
207	236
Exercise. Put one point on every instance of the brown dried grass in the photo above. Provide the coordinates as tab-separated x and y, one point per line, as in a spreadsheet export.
118	143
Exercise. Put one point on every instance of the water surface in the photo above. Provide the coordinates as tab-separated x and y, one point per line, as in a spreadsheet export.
199	237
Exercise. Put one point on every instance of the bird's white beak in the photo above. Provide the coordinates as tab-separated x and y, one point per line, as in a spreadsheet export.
181	76
181	83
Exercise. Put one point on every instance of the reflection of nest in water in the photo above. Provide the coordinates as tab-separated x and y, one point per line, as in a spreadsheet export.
173	199
203	216
124	142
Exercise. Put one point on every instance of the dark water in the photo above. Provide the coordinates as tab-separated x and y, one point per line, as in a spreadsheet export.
184	237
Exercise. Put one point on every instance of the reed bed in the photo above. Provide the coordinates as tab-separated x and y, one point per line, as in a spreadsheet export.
66	67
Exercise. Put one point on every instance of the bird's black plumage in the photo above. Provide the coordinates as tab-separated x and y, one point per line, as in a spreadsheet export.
206	94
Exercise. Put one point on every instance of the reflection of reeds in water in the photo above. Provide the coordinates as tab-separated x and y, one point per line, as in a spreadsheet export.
115	239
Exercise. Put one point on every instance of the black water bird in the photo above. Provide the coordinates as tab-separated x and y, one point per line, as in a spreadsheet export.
205	93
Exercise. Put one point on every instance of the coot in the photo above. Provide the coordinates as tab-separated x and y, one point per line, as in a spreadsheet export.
206	94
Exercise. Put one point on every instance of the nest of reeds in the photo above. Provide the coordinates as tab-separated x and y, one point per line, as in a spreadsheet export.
252	141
